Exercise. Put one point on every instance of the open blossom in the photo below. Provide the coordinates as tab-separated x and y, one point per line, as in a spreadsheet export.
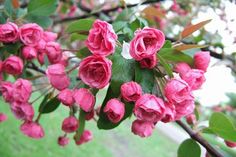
29	52
84	99
30	34
170	113
131	91
146	43
149	108
53	51
184	108
6	89
101	39
195	78
70	124
66	97
32	129
63	141
114	110
13	65
95	71
23	111
142	128
85	137
22	90
9	32
3	117
149	62
202	60
57	76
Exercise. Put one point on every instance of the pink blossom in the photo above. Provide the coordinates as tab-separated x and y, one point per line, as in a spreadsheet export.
32	129
131	91
85	137
142	128
9	32
13	65
202	60
70	124
66	97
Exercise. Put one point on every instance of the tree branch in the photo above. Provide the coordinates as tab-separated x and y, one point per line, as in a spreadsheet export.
199	139
35	68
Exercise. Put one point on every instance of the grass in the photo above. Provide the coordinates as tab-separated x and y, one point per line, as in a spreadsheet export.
119	142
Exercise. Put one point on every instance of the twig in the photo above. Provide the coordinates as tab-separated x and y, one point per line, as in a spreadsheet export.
34	67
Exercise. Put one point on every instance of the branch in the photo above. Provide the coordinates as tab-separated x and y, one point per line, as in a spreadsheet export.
107	11
35	68
199	139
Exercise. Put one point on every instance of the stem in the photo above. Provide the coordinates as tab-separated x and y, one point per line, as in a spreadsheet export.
38	118
40	96
197	137
73	68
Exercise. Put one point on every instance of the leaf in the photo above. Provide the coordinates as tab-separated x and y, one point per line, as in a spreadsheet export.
151	12
189	148
190	29
15	3
145	77
119	25
222	126
42	7
172	55
48	106
43	21
12	48
80	26
82	53
167	44
166	66
183	47
138	23
80	130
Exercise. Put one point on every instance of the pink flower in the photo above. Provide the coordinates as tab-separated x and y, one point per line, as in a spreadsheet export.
49	36
30	34
22	90
184	108
89	115
115	110
149	62
64	60
41	57
66	97
3	117
101	39
7	91
177	90
63	141
142	128
195	78
149	108
131	91
182	68
29	52
32	129
202	60
85	137
41	45
1	64
13	65
169	114
95	71
146	43
84	99
230	144
70	124
57	76
191	119
23	111
53	51
9	32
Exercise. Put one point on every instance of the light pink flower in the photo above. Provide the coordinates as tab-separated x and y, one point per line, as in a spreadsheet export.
63	141
32	129
53	51
66	97
49	36
85	137
22	90
146	43
84	99
101	39
3	117
149	108
9	32
182	68
142	128
29	52
202	60
131	91
70	124
13	65
95	71
23	111
115	110
184	108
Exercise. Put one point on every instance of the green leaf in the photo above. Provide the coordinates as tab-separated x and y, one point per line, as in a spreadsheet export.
138	23
172	55
82	53
80	26
8	8
48	106
222	126
145	77
43	21
119	25
80	130
189	148
42	7
165	65
12	48
167	44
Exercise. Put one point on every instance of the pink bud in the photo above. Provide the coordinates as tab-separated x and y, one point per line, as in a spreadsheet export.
114	110
131	91
84	99
85	137
53	51
29	53
32	129
70	124
169	113
63	141
9	32
3	117
202	60
6	89
13	65
182	68
22	90
148	62
49	36
66	97
89	115
230	144
142	128
191	119
23	111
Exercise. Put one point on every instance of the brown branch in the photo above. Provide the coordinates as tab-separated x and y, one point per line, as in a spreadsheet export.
200	140
35	68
